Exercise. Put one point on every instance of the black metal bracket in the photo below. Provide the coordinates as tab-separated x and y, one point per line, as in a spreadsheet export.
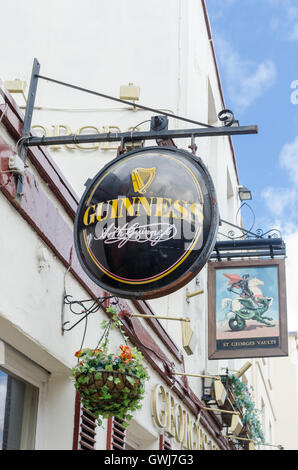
27	122
263	245
158	130
140	135
80	307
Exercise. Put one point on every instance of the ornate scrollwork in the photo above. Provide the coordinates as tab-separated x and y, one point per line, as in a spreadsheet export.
227	117
240	233
83	307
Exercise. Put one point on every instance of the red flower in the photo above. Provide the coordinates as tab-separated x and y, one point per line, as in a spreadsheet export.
126	354
96	351
81	352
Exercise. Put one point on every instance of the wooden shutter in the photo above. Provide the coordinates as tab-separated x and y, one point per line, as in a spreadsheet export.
87	433
116	434
164	443
84	428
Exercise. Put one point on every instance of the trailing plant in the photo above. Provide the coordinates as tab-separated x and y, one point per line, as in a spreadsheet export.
108	384
250	415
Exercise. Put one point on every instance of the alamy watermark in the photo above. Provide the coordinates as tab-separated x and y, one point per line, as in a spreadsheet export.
294	94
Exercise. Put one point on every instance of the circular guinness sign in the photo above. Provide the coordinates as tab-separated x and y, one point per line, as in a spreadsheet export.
147	223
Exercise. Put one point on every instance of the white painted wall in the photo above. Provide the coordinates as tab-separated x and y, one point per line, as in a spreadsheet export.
162	47
284	373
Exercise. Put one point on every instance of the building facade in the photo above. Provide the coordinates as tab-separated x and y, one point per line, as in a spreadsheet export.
167	59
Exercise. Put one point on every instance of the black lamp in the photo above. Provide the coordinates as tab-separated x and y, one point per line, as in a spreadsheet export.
244	194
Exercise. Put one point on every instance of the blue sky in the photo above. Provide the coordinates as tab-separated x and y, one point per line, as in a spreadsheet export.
256	43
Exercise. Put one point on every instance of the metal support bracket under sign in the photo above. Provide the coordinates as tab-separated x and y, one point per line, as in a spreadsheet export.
27	122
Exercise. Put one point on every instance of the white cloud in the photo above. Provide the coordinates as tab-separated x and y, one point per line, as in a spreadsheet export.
280	200
293	35
283	203
291	278
289	160
246	80
287	17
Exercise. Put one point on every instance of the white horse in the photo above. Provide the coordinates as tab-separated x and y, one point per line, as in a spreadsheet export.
235	305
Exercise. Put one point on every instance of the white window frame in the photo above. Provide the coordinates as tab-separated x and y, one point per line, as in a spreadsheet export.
16	363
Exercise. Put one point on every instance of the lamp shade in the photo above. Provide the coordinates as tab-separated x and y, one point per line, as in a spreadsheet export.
220	393
244	194
236	425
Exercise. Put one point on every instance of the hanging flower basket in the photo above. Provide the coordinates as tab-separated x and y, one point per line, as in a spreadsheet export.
240	396
110	385
119	385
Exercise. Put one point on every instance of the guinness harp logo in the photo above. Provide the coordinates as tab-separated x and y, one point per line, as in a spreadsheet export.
142	178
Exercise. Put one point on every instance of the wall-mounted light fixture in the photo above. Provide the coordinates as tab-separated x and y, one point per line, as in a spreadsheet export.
244	193
236	425
243	369
16	86
193	294
189	338
129	92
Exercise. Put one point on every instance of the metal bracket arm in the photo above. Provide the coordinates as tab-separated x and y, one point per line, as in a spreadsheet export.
137	136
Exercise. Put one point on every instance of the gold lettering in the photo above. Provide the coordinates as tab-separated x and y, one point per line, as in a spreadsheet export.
107	145
57	132
125	202
159	207
187	431
180	209
159	415
135	207
168	206
170	414
197	210
178	422
101	207
178	416
195	436
145	204
114	207
46	131
93	146
89	218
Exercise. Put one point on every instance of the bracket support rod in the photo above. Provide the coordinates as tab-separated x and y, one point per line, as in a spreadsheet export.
156	317
214	377
27	120
139	136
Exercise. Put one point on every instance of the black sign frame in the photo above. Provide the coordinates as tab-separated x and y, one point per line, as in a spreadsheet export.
196	266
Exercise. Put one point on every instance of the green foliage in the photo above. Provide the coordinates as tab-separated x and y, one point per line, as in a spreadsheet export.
244	402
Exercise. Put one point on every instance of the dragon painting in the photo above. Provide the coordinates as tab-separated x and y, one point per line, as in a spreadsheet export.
250	303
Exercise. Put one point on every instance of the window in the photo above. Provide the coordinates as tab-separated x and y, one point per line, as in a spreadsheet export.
22	394
18	413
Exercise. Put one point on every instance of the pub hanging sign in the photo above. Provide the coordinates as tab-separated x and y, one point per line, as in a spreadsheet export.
247	309
147	223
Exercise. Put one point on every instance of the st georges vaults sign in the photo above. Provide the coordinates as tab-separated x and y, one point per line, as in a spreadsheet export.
147	223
